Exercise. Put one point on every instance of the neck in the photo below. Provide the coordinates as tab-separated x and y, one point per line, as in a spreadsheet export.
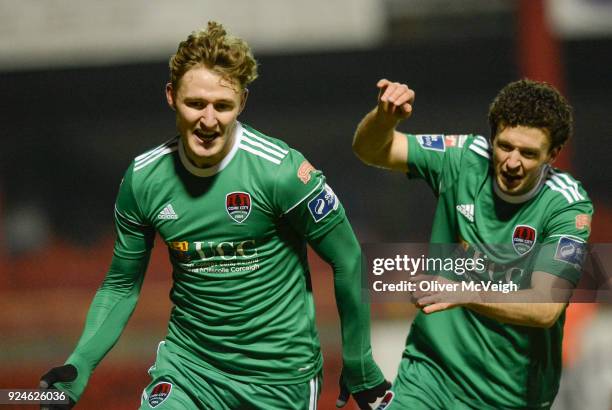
518	199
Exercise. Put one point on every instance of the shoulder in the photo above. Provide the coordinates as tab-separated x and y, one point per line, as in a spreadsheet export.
563	190
479	146
274	152
263	147
454	144
152	160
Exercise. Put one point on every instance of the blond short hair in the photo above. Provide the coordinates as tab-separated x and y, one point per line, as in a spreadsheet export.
214	48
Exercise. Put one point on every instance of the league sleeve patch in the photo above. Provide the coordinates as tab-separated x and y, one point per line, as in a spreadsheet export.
323	204
304	171
431	142
570	251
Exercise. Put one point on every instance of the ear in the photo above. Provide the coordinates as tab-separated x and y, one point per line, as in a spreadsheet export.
170	96
245	95
554	154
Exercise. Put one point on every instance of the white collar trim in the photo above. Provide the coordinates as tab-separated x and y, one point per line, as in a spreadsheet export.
215	169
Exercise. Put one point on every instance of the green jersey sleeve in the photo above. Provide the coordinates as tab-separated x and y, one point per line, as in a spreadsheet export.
435	158
339	247
135	233
563	246
116	299
315	212
302	195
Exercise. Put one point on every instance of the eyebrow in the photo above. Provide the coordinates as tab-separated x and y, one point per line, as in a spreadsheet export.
222	100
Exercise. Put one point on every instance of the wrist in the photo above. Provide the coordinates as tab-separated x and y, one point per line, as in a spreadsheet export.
383	119
362	374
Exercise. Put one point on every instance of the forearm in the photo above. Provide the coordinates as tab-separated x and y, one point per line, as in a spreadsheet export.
342	251
539	306
531	314
373	137
108	314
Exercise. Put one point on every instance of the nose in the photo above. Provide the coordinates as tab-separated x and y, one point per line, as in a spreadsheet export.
513	162
209	117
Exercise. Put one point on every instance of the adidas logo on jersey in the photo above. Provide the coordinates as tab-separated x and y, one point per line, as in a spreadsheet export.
167	213
467	210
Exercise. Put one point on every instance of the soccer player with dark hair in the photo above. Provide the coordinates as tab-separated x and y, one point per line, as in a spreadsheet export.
236	209
501	198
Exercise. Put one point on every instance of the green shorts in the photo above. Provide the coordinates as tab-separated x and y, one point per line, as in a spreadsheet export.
421	386
179	385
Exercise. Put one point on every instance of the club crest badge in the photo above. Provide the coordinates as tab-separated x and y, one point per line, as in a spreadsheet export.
523	238
161	391
238	206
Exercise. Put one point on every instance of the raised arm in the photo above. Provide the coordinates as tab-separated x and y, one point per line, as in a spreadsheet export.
376	141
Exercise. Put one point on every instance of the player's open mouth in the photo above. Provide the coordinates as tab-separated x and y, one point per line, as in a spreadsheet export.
510	180
206	137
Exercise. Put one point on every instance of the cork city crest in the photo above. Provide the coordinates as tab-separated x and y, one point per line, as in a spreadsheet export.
386	400
523	238
238	205
161	391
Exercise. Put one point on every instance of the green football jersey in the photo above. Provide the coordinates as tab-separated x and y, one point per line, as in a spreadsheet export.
236	235
489	362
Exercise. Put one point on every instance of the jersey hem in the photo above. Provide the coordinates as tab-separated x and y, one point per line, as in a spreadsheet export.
267	379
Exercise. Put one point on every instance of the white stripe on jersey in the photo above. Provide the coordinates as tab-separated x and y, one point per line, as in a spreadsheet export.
480	151
264	141
262	146
258	153
562	185
573	185
482	142
140	165
554	187
144	156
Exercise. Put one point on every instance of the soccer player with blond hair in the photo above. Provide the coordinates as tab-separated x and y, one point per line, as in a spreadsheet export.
236	209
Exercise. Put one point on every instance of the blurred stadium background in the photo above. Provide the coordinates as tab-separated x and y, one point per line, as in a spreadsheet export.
82	94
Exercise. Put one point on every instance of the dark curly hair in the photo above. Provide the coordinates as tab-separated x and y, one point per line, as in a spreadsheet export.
532	104
213	48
